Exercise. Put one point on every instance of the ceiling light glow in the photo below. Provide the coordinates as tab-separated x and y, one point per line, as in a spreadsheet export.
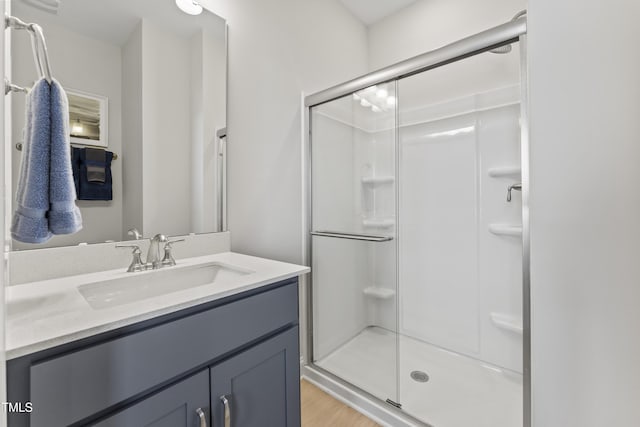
190	7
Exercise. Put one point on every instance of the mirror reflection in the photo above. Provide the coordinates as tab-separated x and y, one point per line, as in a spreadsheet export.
88	119
146	85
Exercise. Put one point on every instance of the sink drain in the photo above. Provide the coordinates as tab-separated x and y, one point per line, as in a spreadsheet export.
420	376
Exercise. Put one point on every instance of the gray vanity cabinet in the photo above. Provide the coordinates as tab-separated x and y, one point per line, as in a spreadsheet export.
259	387
172	370
182	405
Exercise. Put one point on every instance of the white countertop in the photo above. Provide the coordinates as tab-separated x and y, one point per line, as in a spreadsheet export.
49	313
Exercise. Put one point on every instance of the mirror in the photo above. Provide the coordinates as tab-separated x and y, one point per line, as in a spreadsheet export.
146	82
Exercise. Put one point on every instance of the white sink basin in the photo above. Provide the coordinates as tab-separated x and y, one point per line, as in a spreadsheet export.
140	286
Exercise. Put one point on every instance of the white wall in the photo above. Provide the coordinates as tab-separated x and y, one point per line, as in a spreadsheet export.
85	64
277	49
215	109
169	128
132	154
584	65
208	114
196	98
429	24
166	131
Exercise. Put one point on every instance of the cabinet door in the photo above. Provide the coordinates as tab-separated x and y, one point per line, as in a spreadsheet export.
261	385
176	406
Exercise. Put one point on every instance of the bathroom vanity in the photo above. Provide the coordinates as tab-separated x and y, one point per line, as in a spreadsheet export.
220	354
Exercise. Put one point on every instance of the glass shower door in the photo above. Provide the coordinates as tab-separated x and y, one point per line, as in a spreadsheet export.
460	322
353	239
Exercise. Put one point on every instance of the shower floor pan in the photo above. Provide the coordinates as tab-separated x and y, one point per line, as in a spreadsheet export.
460	391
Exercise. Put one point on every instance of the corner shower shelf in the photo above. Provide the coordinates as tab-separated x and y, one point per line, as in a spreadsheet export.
378	223
377	180
505	171
380	293
507	322
506	229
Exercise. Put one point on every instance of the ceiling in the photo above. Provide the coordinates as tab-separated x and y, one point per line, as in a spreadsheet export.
372	11
114	20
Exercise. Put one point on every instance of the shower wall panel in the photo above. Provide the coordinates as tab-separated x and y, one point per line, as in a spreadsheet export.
500	266
439	233
380	218
456	277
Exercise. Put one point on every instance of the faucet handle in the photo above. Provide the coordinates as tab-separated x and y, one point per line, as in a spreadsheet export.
136	248
136	261
168	259
135	233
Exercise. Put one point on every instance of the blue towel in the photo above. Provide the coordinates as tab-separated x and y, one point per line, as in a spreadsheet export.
30	224
64	215
45	197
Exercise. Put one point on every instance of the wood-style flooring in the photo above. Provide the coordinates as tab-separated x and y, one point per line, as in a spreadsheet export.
321	410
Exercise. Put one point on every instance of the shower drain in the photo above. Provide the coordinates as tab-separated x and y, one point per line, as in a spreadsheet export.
420	376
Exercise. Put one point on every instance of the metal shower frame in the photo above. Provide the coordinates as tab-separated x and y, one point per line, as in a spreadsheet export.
505	34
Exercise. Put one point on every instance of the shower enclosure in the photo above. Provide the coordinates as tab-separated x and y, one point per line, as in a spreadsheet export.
419	291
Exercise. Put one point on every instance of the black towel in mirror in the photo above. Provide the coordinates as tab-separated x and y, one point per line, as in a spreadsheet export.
92	173
96	160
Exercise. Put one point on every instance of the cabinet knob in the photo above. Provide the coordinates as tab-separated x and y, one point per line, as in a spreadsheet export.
227	411
202	416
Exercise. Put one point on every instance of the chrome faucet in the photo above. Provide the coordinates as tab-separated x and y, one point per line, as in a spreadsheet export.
154	258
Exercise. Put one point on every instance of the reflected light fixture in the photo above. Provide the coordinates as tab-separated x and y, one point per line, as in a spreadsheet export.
77	127
190	7
382	93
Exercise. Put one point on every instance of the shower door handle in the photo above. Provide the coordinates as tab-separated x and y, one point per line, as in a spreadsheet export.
350	236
